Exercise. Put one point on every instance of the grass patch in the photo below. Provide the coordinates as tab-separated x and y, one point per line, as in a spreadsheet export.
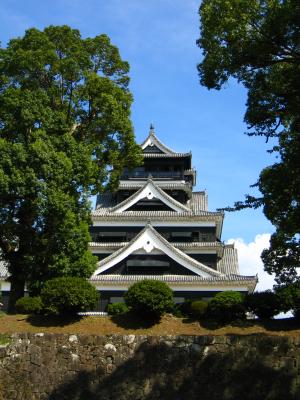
5	340
130	324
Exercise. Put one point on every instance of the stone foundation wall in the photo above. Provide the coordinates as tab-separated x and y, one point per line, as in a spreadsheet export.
73	367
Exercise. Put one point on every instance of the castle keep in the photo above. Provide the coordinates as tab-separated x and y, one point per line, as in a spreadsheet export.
156	227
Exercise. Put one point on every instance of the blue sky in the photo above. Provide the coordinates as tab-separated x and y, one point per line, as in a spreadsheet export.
158	39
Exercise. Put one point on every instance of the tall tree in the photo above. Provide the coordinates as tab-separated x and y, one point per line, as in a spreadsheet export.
65	133
258	43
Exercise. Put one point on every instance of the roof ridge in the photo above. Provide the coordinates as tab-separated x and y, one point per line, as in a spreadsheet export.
155	213
157	142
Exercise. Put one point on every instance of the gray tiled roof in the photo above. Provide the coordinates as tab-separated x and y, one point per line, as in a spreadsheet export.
242	281
185	246
105	200
171	215
229	262
172	278
190	171
186	186
104	215
168	155
197	204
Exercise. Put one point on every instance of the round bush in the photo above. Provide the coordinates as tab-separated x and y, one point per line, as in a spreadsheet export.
263	304
150	297
199	309
227	306
29	305
117	308
68	296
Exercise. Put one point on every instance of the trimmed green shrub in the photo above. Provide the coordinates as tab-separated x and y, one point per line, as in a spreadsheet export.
185	307
150	297
29	305
263	304
117	308
68	296
227	307
199	309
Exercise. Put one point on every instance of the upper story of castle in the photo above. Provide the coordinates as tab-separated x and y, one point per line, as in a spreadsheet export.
162	164
170	170
160	191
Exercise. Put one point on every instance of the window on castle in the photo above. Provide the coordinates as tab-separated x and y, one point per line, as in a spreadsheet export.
147	266
111	237
181	236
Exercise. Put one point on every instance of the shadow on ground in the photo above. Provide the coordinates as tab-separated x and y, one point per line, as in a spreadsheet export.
211	324
271	325
284	324
133	321
45	321
180	373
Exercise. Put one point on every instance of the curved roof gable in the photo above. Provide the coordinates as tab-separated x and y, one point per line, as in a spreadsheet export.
150	190
152	140
149	239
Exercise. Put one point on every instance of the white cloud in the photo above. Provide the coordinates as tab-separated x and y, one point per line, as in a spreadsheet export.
250	261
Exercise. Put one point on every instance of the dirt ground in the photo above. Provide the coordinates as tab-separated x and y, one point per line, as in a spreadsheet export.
168	325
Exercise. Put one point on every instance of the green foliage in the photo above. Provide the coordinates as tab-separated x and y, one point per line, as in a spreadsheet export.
65	130
5	340
68	295
117	308
150	297
263	304
257	42
289	297
189	308
227	307
199	309
185	307
176	311
29	305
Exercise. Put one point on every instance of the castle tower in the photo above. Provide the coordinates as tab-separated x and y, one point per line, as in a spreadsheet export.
156	227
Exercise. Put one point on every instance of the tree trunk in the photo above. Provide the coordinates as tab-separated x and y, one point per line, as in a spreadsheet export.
16	292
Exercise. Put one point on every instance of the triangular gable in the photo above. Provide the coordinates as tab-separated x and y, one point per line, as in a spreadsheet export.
149	191
152	140
152	204
149	239
151	148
